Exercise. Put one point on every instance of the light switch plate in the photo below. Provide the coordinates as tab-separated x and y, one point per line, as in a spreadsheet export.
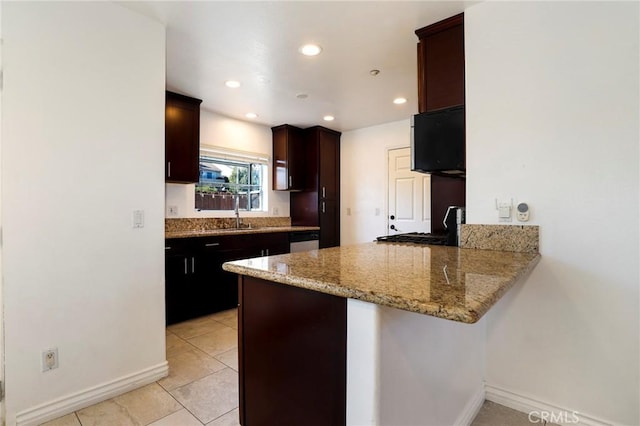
504	210
138	218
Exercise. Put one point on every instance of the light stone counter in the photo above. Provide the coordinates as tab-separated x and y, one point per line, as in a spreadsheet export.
458	284
236	231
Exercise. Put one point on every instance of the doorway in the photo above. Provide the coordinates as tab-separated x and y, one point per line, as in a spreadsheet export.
409	195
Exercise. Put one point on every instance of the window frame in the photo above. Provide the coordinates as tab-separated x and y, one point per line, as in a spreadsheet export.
239	159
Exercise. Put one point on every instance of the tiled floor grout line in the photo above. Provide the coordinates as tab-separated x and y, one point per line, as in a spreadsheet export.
183	407
221	415
172	397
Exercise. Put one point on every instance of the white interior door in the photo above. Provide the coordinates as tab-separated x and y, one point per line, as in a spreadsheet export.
409	203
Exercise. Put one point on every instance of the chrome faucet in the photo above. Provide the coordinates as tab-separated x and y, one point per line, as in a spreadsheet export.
237	211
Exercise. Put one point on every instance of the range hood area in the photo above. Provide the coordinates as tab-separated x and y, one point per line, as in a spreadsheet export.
438	142
438	131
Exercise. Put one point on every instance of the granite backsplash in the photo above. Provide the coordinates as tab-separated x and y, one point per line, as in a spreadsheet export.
211	223
516	238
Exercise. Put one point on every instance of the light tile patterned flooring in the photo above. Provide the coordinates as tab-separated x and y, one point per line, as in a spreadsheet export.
202	386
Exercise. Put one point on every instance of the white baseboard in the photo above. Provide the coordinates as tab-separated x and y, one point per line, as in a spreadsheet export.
76	401
472	408
527	404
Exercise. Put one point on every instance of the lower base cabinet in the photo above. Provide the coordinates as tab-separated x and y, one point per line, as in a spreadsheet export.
196	285
292	355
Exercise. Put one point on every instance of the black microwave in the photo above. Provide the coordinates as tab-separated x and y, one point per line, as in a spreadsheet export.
438	142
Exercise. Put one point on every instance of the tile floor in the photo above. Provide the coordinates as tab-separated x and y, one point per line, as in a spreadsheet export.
203	367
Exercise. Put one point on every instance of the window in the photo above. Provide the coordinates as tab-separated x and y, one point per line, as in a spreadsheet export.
230	177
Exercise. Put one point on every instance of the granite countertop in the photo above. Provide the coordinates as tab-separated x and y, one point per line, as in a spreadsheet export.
459	284
235	231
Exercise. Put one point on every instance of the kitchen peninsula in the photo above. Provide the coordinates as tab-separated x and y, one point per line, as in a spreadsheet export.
347	335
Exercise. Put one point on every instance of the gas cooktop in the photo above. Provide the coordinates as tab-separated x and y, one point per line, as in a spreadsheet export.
415	238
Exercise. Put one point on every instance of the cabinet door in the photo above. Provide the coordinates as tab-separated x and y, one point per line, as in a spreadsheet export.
277	243
219	288
288	158
329	224
441	64
329	164
178	284
182	138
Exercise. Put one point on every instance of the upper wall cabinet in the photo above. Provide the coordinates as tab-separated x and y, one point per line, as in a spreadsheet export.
182	138
441	64
288	158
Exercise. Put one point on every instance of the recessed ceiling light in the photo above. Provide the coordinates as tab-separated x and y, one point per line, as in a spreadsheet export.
302	96
328	118
232	83
374	72
251	115
400	101
310	50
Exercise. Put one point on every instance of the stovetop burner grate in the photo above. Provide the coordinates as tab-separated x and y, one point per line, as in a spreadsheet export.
415	238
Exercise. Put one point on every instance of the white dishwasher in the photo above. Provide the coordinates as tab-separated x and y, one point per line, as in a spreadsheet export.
303	241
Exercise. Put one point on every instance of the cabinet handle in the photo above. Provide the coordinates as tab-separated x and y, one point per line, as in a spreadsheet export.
323	207
193	265
186	271
324	192
290	181
212	244
261	252
267	250
167	248
169	168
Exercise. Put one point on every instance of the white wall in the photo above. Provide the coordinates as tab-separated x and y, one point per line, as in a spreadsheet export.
221	131
363	179
82	147
431	370
2	411
552	119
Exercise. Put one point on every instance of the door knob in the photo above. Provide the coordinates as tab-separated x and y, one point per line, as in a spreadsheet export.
392	217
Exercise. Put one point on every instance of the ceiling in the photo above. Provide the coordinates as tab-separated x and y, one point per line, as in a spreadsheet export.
256	43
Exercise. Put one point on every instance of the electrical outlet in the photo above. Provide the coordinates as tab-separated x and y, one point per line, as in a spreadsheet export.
276	211
49	359
173	210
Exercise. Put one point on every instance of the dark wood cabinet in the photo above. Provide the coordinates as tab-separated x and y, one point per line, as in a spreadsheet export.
319	203
288	158
292	355
196	284
441	64
182	138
